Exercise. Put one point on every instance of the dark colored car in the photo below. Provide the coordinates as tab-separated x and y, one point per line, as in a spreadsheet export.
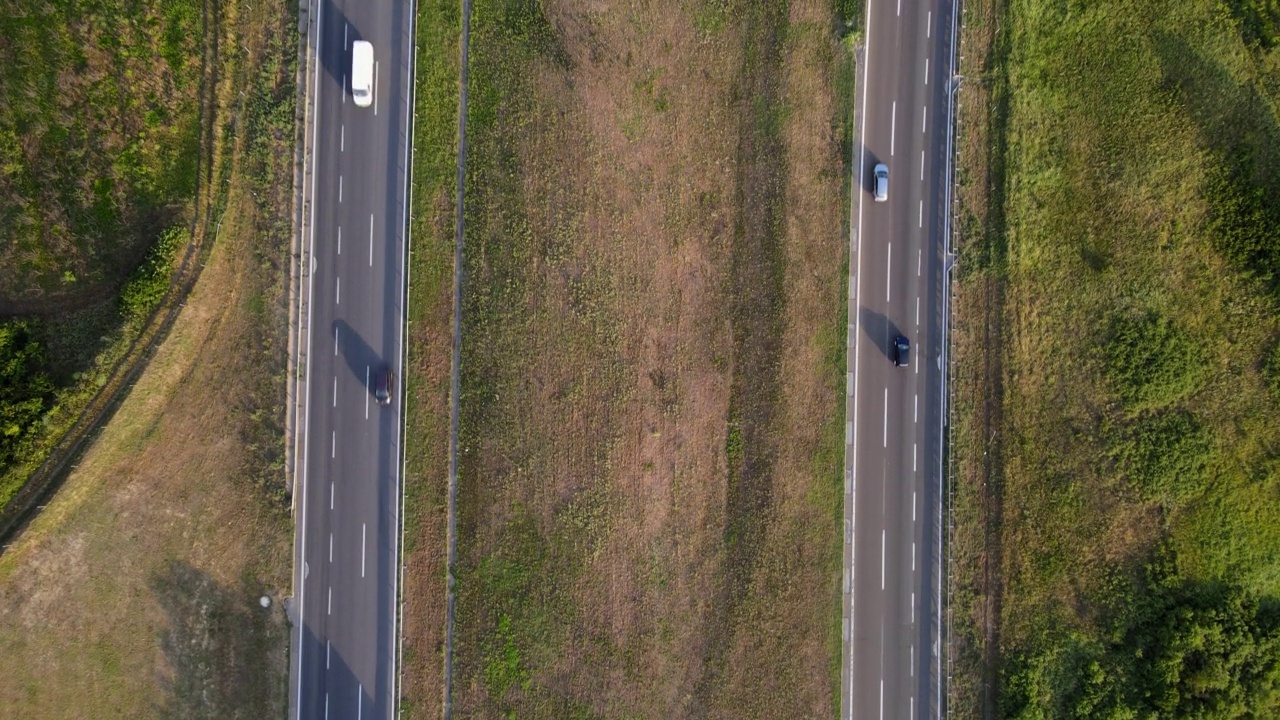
901	351
382	387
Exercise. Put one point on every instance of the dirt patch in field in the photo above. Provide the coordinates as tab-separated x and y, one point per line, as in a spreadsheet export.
649	507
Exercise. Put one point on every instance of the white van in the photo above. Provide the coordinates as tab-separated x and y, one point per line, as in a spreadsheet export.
362	73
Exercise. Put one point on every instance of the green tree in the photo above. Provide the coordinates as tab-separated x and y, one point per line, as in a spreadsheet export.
24	388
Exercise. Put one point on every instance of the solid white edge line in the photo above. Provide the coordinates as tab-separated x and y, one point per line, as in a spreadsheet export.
853	470
311	284
401	411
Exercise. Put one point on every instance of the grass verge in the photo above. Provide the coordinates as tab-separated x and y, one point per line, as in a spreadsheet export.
430	339
653	209
1115	428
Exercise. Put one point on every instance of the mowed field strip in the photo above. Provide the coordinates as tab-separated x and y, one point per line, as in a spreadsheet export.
649	508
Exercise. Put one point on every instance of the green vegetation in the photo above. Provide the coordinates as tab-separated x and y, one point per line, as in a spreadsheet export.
150	280
24	386
1151	363
1123	248
98	138
429	353
99	149
1167	648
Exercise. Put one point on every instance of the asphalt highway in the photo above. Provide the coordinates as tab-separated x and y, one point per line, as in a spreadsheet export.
894	414
349	480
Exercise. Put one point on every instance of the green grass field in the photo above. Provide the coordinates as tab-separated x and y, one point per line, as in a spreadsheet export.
99	148
1136	235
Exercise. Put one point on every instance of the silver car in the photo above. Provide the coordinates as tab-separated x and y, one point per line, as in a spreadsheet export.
882	182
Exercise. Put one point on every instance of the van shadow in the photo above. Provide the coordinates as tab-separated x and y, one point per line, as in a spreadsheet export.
335	49
362	360
879	329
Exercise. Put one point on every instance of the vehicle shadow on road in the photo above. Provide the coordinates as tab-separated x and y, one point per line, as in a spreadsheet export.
879	329
361	360
335	56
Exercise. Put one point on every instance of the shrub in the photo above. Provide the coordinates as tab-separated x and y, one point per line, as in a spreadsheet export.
1174	649
150	280
1151	362
1165	455
24	388
1271	369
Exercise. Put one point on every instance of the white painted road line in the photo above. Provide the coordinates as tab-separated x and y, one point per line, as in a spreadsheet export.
345	28
886	417
917	312
328	653
339	188
342	137
375	89
335	341
370	239
922	165
915	413
882	554
344	91
366	392
330	547
360	702
921	213
339	239
926	71
924	119
928	26
363	528
915	451
893	119
333	445
331	495
913	506
919	264
337	292
888	272
335	391
330	605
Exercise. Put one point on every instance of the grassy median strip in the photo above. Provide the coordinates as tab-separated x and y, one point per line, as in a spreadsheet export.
430	339
135	592
650	485
1118	260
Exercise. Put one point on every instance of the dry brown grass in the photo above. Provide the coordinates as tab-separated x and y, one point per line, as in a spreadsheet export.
135	592
648	525
976	382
